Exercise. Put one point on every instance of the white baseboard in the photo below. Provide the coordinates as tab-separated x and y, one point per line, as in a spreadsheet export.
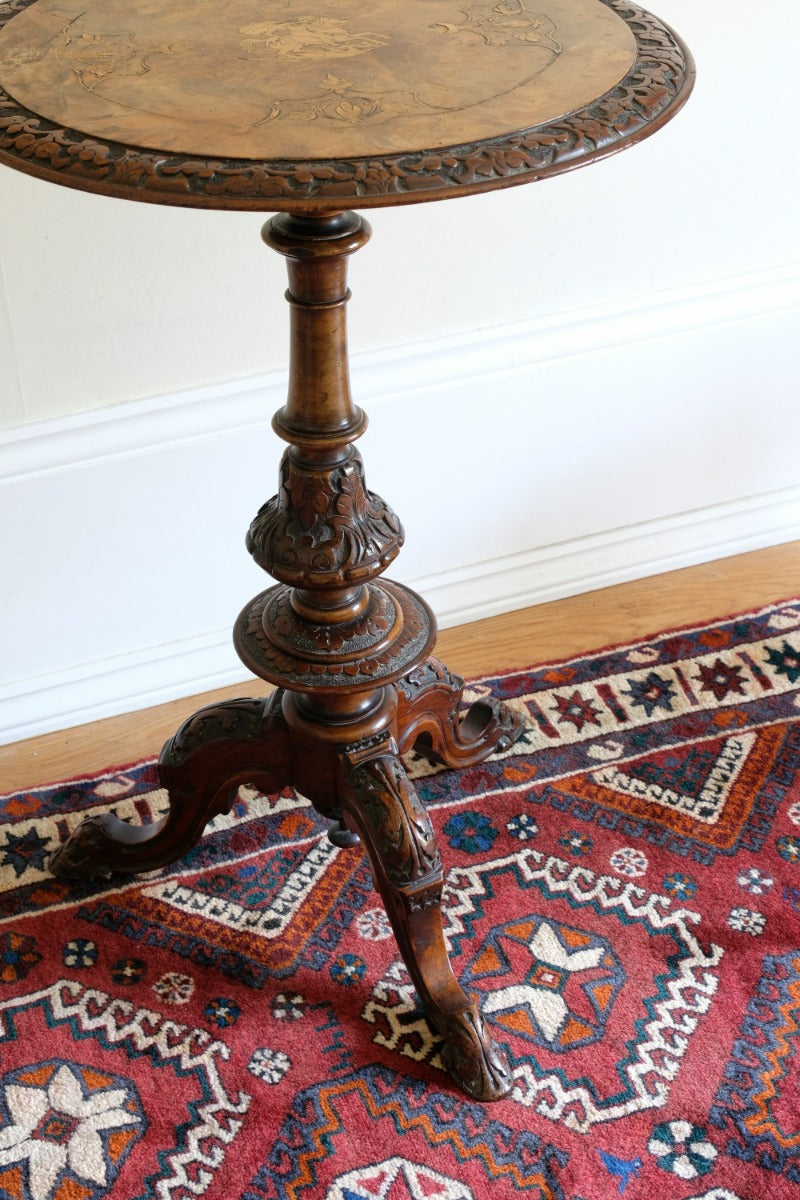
615	556
590	446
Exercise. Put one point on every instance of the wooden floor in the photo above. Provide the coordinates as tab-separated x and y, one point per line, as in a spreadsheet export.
532	635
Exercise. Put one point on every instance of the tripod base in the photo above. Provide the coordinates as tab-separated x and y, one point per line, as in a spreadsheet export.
361	785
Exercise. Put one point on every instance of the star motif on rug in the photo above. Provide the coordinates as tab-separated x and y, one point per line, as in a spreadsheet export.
70	1125
721	679
576	709
27	850
786	661
563	999
653	692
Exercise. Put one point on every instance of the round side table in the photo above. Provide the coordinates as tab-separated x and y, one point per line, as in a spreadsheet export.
306	112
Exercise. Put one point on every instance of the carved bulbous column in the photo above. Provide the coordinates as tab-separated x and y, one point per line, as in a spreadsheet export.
329	628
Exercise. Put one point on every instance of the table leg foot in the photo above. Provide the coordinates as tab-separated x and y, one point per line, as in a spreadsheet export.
381	803
202	766
430	702
473	1058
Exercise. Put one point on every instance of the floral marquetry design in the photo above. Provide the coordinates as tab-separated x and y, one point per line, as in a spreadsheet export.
307	38
509	21
347	98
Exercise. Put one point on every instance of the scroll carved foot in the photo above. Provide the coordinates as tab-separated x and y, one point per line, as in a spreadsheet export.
429	707
474	1060
202	766
380	802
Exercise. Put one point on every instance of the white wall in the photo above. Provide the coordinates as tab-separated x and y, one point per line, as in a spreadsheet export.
603	368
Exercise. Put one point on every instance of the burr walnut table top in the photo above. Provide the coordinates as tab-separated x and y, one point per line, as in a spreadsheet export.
268	104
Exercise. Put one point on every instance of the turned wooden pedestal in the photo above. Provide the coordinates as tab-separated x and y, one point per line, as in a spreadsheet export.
350	655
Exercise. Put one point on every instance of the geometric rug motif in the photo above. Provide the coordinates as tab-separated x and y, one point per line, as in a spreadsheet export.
396	1177
240	918
39	820
655	739
716	796
551	984
468	1145
554	984
622	897
759	1099
66	1127
71	1123
648	685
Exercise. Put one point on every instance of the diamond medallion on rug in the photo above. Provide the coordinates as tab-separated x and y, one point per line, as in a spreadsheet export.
698	798
559	988
622	897
67	1127
255	922
551	984
127	1090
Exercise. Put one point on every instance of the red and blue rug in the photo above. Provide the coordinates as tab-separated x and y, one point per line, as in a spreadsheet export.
623	895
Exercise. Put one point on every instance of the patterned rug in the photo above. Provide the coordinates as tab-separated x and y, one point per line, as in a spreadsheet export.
623	895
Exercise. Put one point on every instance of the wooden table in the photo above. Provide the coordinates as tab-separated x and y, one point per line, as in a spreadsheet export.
306	111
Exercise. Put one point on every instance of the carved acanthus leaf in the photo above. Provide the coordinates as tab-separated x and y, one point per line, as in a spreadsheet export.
398	822
324	526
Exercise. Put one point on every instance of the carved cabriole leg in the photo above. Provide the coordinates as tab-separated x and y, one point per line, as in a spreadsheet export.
380	802
202	766
430	699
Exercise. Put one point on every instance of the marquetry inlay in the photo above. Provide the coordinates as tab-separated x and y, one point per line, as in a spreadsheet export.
267	79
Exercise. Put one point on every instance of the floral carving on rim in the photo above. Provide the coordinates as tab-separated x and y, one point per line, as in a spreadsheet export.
368	654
